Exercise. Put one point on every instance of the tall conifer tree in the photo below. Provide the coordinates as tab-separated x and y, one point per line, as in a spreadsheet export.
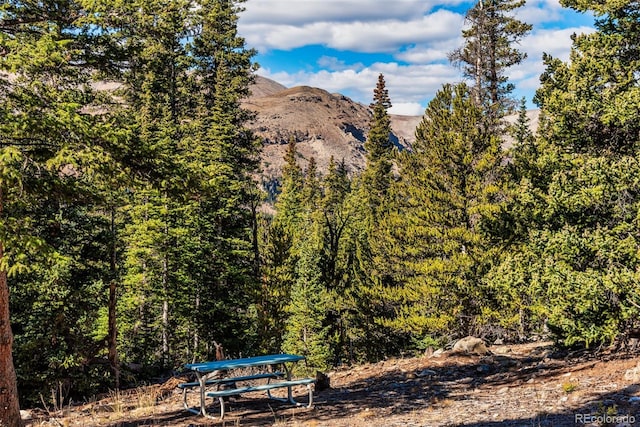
437	238
489	52
224	156
369	206
280	250
578	205
52	151
379	149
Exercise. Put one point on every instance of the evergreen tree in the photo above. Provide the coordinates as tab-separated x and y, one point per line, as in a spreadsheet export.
336	217
367	206
578	204
311	186
156	90
289	204
489	51
437	237
306	330
67	191
315	324
521	130
224	156
54	162
279	252
598	115
524	149
379	149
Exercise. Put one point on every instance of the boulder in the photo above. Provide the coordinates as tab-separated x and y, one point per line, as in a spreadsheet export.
470	345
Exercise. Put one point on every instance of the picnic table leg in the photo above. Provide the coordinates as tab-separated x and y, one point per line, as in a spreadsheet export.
184	401
289	391
202	379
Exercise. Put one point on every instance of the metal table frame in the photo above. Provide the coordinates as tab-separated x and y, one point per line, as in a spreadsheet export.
202	370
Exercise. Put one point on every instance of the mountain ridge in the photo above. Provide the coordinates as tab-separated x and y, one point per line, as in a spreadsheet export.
324	125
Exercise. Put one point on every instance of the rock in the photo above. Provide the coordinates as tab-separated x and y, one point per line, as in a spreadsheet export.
633	374
425	373
322	381
438	353
483	369
25	415
503	349
470	345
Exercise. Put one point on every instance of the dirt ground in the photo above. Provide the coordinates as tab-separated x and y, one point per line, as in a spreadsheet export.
519	385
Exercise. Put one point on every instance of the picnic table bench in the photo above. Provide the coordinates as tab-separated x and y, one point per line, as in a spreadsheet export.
264	364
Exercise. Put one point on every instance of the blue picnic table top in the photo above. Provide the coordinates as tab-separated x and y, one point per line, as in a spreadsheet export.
246	362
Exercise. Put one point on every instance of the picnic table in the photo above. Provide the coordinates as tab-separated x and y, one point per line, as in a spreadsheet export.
263	367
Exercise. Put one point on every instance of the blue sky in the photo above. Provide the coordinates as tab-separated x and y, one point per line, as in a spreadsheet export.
342	45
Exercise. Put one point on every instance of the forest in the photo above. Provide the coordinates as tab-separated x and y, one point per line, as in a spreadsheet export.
133	238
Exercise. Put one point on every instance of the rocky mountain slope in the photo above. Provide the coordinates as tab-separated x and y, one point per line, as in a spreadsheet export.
324	125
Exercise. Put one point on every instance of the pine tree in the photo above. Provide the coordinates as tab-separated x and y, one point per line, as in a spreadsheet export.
335	219
437	238
578	204
306	330
53	161
489	51
311	186
367	206
289	204
379	149
599	114
280	251
156	85
224	156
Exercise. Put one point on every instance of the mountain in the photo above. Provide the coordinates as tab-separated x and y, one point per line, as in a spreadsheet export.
323	124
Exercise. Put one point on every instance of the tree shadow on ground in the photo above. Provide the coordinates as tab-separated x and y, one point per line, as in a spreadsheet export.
399	392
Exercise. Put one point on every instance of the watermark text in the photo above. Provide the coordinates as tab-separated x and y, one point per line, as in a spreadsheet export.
602	419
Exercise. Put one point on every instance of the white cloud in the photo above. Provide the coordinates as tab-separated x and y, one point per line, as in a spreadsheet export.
334	64
413	32
359	36
407	109
409	85
429	52
539	11
555	42
302	12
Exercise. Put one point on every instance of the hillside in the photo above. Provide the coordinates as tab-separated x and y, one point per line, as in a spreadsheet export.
518	385
323	125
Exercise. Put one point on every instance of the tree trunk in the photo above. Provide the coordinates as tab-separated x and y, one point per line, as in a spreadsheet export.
113	335
479	55
196	336
9	405
113	331
165	297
